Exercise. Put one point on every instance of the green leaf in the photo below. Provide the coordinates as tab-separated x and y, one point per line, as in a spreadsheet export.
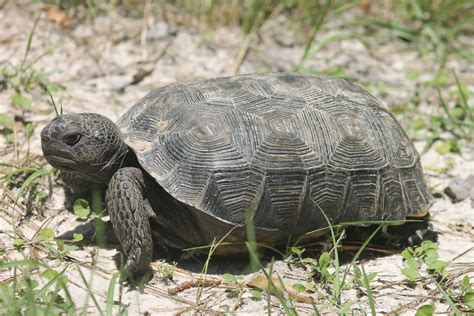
67	248
428	244
5	120
18	242
407	253
33	283
425	310
371	276
49	274
298	287
469	300
411	273
443	148
45	234
77	237
81	208
465	284
60	244
436	121
440	78
324	260
439	267
418	123
455	146
296	251
412	75
229	278
399	110
15	81
22	101
30	180
10	137
458	112
357	272
432	254
412	263
256	295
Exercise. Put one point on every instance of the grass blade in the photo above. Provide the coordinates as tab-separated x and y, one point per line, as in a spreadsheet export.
361	248
316	28
37	174
462	95
89	291
110	295
53	103
337	281
28	45
369	291
448	299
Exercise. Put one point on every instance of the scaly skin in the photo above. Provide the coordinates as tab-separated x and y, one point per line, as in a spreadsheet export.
89	150
129	212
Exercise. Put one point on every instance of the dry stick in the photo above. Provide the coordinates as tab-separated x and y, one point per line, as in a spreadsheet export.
194	283
244	50
461	254
239	300
248	40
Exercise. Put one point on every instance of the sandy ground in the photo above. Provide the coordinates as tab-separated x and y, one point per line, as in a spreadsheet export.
105	65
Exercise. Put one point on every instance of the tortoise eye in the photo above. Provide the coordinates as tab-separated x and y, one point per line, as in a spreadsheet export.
72	139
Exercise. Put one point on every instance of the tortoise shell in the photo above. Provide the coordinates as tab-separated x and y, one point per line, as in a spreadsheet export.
285	147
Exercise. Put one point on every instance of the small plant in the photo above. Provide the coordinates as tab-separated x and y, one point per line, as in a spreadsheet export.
25	76
447	127
167	273
33	190
463	296
44	238
425	310
85	210
45	294
359	276
238	289
426	255
81	208
431	25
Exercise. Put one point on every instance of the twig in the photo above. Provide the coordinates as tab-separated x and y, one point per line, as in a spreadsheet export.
248	40
244	49
194	283
461	254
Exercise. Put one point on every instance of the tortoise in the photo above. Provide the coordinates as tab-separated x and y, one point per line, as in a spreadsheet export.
194	162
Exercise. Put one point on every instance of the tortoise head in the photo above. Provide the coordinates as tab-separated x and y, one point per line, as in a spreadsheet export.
86	144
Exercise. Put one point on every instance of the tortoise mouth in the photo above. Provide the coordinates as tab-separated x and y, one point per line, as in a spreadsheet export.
84	171
61	162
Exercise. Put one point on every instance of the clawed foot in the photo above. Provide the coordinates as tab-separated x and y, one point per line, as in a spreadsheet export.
136	274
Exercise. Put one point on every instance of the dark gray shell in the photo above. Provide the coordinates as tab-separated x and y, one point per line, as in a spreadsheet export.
285	146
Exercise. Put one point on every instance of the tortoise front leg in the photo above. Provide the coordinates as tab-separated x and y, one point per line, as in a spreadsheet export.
129	212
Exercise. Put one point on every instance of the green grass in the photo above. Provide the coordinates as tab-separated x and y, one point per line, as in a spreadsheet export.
25	295
432	26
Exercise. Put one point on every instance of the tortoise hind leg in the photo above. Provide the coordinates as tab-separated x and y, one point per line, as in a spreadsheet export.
129	212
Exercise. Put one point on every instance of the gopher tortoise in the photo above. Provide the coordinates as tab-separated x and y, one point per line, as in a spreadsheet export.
194	162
